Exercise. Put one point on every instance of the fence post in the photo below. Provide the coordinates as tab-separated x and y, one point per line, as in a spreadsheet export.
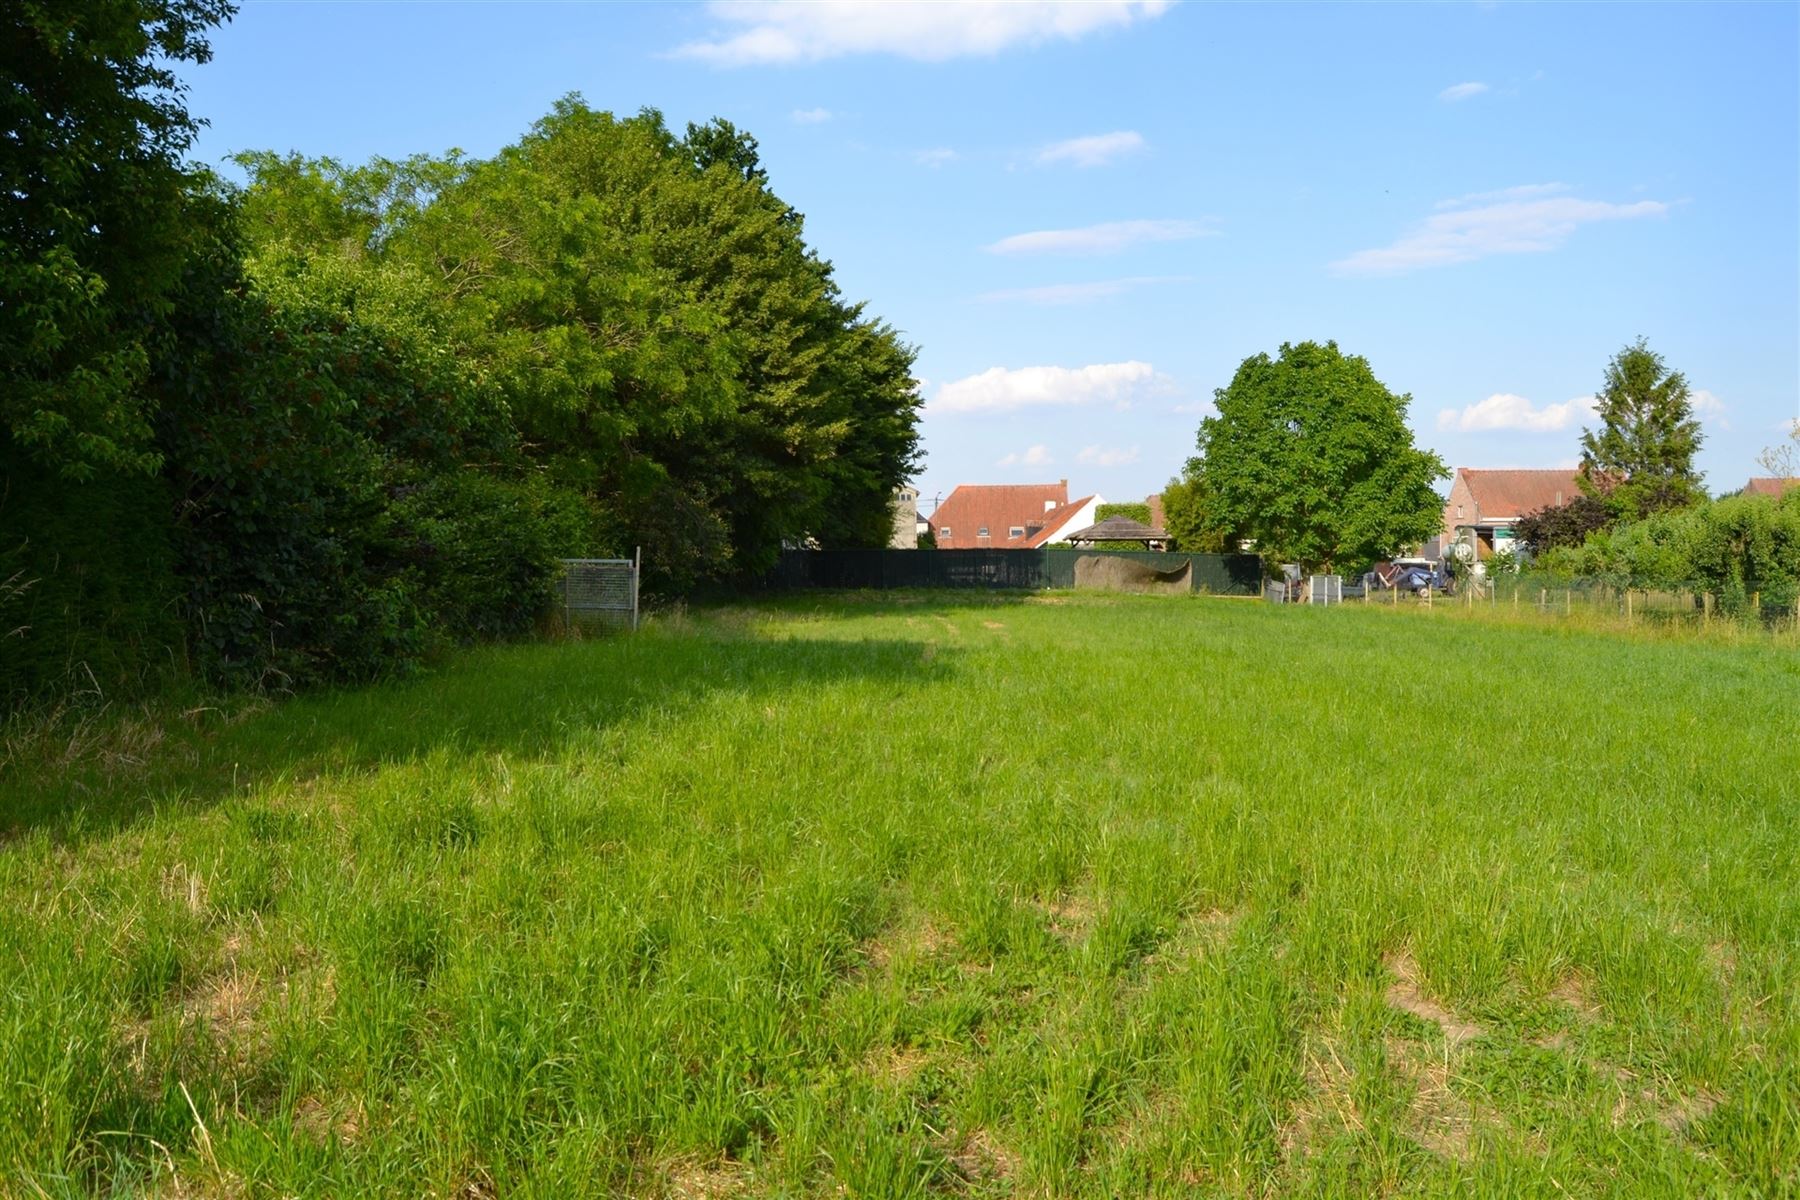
1628	606
1568	601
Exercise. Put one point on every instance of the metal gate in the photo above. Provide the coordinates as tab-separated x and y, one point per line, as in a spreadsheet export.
601	590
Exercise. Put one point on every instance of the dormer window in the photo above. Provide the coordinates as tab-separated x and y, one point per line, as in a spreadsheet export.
982	532
1015	531
944	531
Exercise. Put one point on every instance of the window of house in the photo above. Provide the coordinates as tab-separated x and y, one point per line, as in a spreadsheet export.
1015	531
982	532
944	531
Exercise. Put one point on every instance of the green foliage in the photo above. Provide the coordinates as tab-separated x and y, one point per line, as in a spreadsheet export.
88	595
1733	548
94	223
1189	518
377	402
1641	459
1558	526
1311	457
482	550
1138	511
665	340
302	401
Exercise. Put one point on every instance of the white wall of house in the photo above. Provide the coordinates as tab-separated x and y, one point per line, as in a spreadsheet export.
1084	516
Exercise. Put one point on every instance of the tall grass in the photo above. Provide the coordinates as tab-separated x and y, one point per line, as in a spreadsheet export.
895	897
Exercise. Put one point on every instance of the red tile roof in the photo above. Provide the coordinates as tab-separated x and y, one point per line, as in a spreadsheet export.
997	507
1514	493
1054	520
1770	485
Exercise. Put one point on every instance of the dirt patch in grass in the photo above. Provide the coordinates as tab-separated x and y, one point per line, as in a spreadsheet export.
1687	1111
917	938
978	1157
319	1122
1328	1106
895	1064
687	1179
1407	994
1437	1118
1576	991
1070	917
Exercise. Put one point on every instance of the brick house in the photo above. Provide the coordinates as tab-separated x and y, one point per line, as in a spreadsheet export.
1021	516
1487	504
1770	485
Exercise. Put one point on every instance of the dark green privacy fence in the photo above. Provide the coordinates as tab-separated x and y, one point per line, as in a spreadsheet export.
1220	574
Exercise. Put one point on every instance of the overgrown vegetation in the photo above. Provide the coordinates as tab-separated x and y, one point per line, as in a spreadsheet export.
1643	521
309	429
700	911
1731	549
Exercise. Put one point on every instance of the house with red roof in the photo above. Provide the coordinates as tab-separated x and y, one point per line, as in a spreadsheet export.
1010	516
1771	485
1485	505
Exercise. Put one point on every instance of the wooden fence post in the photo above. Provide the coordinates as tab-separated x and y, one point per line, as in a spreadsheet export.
1628	606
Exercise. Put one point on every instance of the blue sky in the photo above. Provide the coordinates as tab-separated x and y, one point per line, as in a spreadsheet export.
1086	216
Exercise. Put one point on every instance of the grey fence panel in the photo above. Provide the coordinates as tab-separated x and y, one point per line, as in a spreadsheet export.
600	590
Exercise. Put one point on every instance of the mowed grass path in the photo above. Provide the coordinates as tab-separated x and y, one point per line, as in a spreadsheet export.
916	895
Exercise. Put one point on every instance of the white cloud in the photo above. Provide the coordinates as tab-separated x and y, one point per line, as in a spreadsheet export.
1503	410
1095	150
935	158
1001	390
1518	221
760	32
1077	293
1192	407
1099	239
1705	403
1525	191
1036	456
1107	456
811	116
1462	91
1707	406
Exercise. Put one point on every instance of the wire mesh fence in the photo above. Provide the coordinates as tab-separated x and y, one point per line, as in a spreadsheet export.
1772	605
600	591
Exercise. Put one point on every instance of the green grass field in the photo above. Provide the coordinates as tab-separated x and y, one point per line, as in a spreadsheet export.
912	895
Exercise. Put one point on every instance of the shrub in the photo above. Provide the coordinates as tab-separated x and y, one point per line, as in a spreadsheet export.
484	550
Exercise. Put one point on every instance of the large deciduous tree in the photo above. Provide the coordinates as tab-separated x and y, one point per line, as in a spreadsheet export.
94	220
1311	457
1641	459
660	333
